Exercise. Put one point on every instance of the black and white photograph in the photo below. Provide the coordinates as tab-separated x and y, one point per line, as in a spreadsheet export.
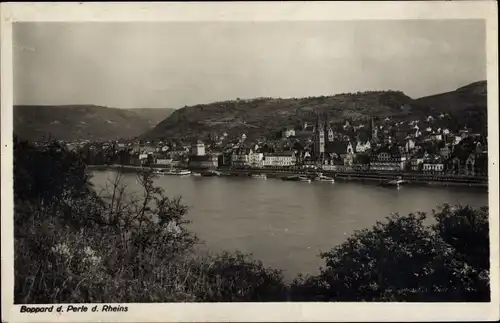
225	161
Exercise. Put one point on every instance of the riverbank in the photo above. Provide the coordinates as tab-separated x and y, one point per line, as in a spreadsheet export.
411	179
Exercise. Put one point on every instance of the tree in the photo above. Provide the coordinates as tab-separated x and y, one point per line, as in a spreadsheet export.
237	277
47	173
114	245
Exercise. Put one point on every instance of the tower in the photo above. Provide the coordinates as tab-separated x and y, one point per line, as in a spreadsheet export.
319	140
198	148
328	129
374	131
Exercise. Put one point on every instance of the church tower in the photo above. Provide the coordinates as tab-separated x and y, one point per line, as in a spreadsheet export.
319	140
328	129
374	131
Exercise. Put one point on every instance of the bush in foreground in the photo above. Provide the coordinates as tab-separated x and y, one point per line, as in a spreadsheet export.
403	259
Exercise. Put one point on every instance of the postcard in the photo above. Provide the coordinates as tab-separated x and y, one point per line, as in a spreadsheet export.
250	161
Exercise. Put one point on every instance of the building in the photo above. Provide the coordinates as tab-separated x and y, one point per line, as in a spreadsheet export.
282	159
339	153
436	136
255	159
409	145
416	163
374	131
433	168
289	132
319	140
469	159
433	164
362	147
241	157
445	152
388	158
198	149
163	161
225	159
204	161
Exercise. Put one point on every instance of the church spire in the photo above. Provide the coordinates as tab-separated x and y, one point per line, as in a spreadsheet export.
373	128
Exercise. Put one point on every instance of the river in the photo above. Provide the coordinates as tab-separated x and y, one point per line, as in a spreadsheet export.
287	224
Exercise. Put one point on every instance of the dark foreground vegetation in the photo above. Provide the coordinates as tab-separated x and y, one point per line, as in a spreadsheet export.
73	244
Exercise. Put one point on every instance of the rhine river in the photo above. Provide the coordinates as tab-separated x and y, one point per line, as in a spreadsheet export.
287	224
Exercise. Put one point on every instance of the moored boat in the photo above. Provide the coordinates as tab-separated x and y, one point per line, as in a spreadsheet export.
395	182
260	176
178	172
304	179
210	173
323	178
297	178
183	172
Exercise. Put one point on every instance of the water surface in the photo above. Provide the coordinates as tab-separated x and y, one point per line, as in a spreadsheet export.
287	224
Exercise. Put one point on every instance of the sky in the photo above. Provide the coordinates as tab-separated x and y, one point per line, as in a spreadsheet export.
173	64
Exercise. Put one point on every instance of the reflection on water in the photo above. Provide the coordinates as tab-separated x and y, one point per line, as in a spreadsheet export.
286	224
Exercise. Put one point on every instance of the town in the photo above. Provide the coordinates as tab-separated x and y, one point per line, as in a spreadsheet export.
435	146
251	159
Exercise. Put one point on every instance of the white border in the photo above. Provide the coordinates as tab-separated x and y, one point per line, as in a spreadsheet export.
257	11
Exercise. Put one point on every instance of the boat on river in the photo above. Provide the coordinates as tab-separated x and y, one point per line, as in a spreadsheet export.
159	171
178	172
395	182
259	176
210	173
183	172
323	178
196	174
304	179
297	178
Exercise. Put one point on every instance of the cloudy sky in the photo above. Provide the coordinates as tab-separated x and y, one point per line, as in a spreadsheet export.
172	64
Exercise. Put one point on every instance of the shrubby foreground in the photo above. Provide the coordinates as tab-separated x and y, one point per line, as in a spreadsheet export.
73	244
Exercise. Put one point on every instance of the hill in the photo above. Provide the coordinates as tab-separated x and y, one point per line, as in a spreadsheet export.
75	122
472	96
468	105
257	117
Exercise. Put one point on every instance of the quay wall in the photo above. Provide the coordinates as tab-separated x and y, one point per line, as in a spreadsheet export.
372	177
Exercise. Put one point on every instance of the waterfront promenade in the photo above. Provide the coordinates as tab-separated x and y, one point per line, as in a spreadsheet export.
366	176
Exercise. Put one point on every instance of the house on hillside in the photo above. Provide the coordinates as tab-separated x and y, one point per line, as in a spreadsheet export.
362	147
409	145
469	158
288	132
436	136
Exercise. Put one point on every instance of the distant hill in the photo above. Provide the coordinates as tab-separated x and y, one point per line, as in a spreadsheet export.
73	122
472	96
261	116
468	104
257	117
153	115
